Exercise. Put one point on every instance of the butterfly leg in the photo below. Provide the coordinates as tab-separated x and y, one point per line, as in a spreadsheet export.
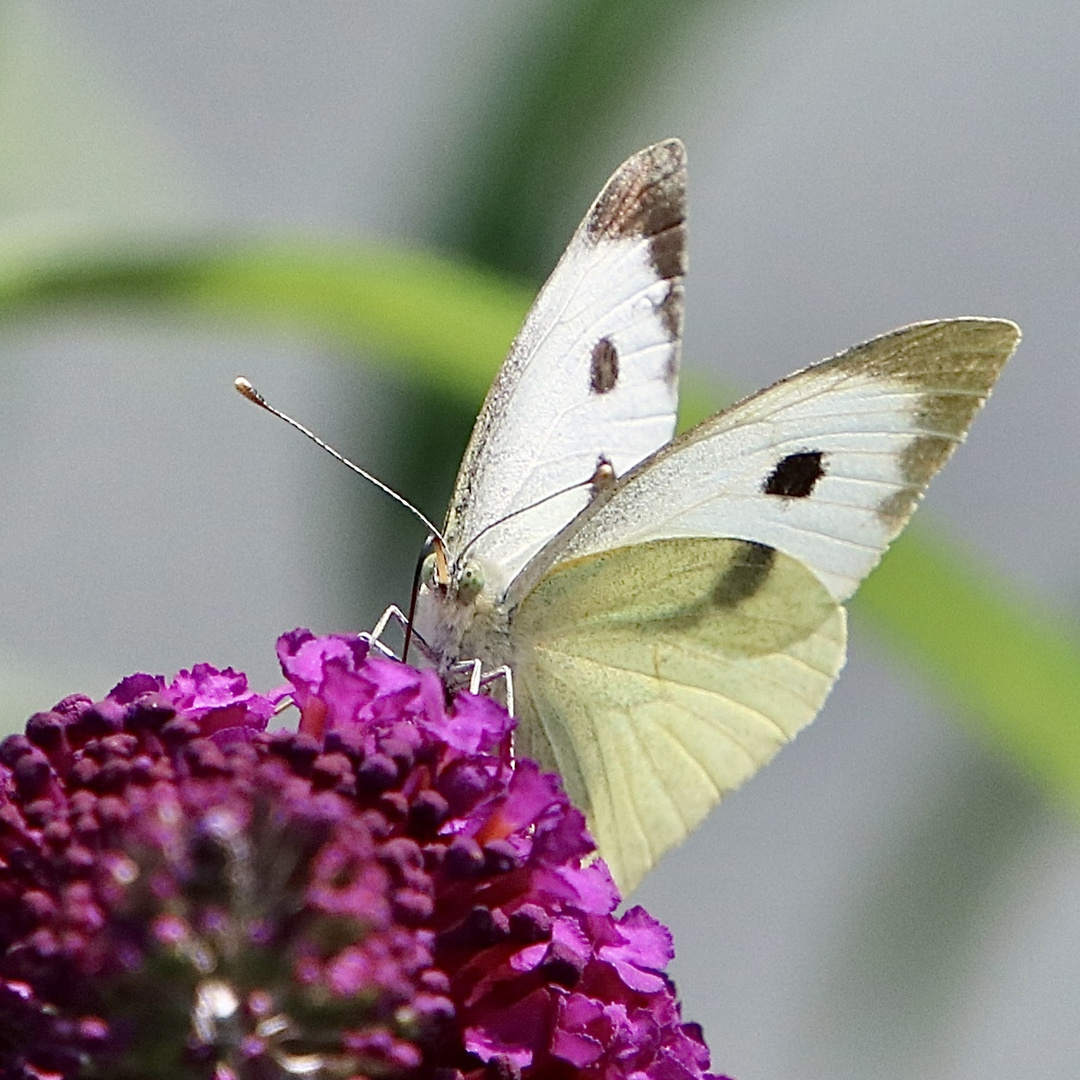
474	675
462	670
392	614
480	680
507	677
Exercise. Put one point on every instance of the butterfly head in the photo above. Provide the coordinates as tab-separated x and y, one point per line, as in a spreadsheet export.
453	596
459	584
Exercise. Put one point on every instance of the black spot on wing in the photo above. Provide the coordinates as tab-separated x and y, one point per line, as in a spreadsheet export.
604	367
745	576
667	250
646	198
671	311
796	475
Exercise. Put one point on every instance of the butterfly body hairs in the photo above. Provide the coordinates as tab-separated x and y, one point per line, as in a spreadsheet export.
672	610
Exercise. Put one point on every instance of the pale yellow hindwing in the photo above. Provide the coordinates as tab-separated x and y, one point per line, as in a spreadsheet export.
658	677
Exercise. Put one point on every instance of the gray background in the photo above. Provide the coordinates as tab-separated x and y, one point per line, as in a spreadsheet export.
887	899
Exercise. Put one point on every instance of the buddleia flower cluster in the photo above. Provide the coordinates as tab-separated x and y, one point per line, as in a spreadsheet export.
376	890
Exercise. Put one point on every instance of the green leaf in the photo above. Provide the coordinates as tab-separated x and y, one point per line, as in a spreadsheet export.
1010	664
447	324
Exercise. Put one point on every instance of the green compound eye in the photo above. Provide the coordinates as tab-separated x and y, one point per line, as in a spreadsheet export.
470	583
427	571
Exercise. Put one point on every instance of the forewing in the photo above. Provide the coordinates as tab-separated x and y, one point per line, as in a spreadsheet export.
826	465
659	677
593	373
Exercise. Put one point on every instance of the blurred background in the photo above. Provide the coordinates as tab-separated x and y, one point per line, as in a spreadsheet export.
892	897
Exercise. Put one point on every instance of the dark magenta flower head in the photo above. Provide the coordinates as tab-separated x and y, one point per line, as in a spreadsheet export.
380	892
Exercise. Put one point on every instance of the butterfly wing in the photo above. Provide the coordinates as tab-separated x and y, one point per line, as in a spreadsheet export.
652	716
592	374
656	678
826	465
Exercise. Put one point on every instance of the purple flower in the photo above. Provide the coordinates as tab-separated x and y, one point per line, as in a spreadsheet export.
382	892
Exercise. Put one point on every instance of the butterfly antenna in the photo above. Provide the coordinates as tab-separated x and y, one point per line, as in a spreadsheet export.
245	389
602	478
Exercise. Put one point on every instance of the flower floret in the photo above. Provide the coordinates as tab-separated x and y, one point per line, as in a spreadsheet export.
379	891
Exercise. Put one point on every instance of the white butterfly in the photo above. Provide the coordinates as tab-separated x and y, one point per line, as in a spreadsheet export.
669	630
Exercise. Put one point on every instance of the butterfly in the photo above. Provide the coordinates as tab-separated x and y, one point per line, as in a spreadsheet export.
671	610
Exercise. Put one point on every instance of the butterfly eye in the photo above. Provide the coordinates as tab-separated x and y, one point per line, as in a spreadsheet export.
470	583
427	571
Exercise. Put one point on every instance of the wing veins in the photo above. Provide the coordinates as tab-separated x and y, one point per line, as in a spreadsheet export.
577	658
644	750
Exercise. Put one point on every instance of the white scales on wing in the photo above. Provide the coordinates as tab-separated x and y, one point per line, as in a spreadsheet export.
593	374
